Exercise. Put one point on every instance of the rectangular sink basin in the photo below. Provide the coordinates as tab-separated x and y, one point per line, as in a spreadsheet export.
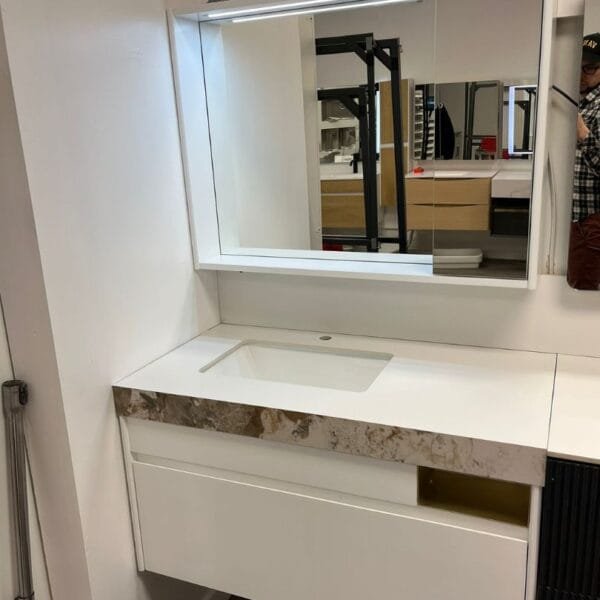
349	370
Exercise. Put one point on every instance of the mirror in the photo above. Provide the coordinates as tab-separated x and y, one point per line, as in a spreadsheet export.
486	80
583	272
462	118
376	132
470	117
309	119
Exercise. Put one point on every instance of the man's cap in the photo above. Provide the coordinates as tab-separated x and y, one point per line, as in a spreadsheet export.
591	47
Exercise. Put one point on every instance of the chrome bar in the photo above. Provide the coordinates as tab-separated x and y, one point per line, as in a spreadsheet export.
14	399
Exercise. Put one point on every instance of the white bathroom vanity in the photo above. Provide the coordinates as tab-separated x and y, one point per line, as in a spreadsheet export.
255	467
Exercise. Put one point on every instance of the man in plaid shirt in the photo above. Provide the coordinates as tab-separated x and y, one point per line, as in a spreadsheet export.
584	249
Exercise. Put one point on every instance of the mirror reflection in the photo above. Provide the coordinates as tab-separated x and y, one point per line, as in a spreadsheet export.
380	131
584	246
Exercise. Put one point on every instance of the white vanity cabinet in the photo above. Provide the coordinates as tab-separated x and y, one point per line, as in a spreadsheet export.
272	485
272	521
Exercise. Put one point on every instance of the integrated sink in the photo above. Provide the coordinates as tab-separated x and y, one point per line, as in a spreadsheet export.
336	368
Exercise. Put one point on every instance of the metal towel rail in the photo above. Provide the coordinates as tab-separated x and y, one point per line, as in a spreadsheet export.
14	399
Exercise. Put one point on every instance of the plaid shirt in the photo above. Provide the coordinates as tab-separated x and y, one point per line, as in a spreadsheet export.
586	188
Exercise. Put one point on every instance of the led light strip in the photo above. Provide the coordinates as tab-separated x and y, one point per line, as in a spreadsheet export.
511	119
304	7
224	14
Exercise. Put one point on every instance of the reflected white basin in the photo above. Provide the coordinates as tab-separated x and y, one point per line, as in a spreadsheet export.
449	174
349	370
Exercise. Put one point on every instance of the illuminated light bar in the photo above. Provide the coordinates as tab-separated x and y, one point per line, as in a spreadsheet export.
225	14
292	9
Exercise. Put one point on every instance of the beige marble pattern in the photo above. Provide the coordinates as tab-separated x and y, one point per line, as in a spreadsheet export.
424	448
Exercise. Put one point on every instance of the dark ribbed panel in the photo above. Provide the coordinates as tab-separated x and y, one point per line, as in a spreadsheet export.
569	563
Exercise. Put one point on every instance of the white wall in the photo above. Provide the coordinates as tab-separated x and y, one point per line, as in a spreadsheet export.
413	23
253	74
592	16
552	318
94	97
312	128
470	40
28	327
487	39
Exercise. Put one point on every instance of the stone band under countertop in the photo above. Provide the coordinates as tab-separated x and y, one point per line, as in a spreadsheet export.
423	448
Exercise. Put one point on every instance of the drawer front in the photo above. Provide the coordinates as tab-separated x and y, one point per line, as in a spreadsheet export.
344	210
269	544
448	191
357	475
448	218
342	186
420	191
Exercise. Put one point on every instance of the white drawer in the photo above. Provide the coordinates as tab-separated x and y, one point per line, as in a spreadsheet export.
271	544
161	444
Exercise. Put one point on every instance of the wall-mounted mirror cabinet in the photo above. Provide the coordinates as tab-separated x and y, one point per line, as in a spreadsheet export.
384	133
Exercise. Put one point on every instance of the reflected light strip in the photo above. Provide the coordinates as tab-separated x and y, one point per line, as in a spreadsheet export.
511	119
313	11
305	7
224	14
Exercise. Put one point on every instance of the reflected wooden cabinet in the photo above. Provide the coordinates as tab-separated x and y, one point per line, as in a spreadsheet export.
431	204
387	150
342	203
440	204
385	106
344	211
448	204
455	204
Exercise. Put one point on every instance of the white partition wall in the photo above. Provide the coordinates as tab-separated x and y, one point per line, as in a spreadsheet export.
256	108
96	269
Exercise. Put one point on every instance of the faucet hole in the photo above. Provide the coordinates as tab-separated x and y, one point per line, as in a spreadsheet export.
325	338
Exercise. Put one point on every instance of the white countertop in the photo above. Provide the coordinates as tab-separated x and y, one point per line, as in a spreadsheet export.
340	176
575	429
513	175
336	171
495	395
512	184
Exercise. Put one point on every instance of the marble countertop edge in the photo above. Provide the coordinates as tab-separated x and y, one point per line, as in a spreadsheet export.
479	457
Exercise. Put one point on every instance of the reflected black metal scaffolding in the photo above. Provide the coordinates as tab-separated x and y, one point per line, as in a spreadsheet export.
367	48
